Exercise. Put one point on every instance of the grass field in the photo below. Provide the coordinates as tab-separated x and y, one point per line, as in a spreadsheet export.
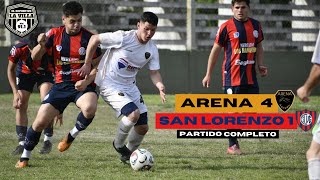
92	156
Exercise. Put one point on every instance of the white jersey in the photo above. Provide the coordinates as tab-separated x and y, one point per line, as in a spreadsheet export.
124	57
316	53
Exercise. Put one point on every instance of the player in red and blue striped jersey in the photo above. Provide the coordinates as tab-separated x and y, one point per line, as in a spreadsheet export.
67	45
23	74
241	38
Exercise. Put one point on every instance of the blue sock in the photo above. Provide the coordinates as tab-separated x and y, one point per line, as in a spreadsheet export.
232	141
32	139
82	122
21	132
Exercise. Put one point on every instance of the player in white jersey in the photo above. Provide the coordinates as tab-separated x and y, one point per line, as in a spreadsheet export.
127	52
313	153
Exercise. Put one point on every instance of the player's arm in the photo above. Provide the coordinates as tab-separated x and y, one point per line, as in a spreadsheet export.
11	72
39	50
81	85
263	70
91	48
212	60
157	81
314	78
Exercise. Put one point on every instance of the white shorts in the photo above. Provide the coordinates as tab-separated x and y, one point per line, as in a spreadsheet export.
119	96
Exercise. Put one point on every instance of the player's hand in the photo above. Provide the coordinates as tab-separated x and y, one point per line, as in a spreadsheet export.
84	70
206	81
263	70
58	119
303	94
81	85
42	39
16	103
163	97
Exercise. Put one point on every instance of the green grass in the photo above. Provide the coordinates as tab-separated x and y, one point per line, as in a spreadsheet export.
92	155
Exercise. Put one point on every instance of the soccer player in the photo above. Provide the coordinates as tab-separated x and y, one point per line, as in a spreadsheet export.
23	74
127	52
241	37
67	44
313	153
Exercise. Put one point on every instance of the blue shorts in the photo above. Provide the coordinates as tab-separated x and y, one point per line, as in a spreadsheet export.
27	81
244	89
62	94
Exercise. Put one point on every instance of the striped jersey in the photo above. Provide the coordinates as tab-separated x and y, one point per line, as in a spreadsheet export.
68	52
21	55
239	40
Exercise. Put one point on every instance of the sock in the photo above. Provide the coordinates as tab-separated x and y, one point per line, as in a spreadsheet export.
314	168
47	138
32	139
124	127
21	132
25	155
233	141
81	124
48	133
134	140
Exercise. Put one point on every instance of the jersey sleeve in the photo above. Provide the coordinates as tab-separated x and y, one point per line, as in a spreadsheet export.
260	36
14	54
50	36
111	39
221	37
316	53
154	63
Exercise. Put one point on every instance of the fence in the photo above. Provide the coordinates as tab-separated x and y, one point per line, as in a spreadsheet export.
189	24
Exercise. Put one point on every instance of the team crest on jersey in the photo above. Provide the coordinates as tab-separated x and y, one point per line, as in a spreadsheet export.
82	51
236	35
306	119
58	48
21	19
255	33
284	99
147	55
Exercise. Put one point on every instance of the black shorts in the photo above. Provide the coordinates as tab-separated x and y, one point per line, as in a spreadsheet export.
244	89
27	81
62	94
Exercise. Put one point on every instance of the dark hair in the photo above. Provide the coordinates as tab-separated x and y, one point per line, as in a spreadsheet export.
149	17
32	39
71	8
237	1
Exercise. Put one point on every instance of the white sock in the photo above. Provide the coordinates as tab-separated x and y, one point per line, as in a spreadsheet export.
124	127
21	143
26	154
47	138
134	140
314	169
74	132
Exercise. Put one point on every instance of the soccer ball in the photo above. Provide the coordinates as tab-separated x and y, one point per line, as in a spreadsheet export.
141	159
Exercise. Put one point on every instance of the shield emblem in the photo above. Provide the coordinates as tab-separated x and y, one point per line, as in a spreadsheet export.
147	55
306	119
284	99
21	19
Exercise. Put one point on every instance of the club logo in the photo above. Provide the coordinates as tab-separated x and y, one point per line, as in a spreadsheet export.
21	19
306	119
284	99
255	33
236	35
82	51
147	55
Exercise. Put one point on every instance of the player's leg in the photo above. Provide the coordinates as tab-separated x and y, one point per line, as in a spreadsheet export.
25	83
22	120
124	105
87	102
313	155
233	147
137	134
44	88
45	115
